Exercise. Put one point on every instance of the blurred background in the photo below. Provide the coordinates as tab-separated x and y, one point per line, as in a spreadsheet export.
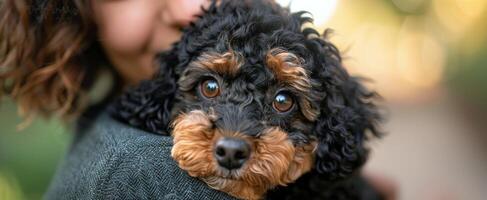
427	58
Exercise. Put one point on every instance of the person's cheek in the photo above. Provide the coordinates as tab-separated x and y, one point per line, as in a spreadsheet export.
124	25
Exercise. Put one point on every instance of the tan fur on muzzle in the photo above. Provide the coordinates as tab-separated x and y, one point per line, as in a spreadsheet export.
274	159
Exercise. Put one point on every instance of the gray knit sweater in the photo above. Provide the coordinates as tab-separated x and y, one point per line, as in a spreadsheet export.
113	161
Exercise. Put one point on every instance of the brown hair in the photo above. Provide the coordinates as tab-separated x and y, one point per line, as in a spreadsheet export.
49	55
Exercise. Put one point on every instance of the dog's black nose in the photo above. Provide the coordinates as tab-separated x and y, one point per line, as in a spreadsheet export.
231	153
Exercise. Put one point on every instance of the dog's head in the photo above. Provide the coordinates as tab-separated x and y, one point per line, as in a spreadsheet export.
262	101
259	101
245	127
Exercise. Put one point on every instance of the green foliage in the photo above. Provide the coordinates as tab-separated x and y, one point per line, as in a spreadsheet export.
468	77
29	156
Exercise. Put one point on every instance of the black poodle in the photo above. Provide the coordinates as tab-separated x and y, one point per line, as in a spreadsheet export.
259	106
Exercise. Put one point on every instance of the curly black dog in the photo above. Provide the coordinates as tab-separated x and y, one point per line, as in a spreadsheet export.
259	106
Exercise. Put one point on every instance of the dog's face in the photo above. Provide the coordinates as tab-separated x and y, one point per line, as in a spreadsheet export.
245	127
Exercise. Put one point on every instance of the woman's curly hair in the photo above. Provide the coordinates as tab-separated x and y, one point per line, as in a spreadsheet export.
49	55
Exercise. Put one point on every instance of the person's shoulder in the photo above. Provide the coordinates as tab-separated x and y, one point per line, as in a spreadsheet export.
111	160
114	135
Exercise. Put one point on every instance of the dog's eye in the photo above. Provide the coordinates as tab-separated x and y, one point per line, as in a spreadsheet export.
210	88
283	102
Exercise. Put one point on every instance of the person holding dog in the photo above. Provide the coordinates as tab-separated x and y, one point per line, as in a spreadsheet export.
52	55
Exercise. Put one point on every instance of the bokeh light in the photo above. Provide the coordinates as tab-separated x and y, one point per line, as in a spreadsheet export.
409	6
420	56
457	15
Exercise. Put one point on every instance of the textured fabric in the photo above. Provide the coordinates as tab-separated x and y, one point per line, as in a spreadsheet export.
113	161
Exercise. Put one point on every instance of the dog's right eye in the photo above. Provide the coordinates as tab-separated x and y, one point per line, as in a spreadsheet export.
210	88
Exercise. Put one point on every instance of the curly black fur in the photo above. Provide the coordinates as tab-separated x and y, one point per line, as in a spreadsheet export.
149	105
252	28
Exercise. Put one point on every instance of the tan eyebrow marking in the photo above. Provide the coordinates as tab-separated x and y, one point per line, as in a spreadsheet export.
225	64
288	69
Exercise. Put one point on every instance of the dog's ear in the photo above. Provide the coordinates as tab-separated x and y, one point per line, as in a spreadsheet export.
347	112
148	106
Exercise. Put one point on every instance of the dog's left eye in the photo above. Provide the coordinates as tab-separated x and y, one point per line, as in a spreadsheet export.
210	88
283	102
